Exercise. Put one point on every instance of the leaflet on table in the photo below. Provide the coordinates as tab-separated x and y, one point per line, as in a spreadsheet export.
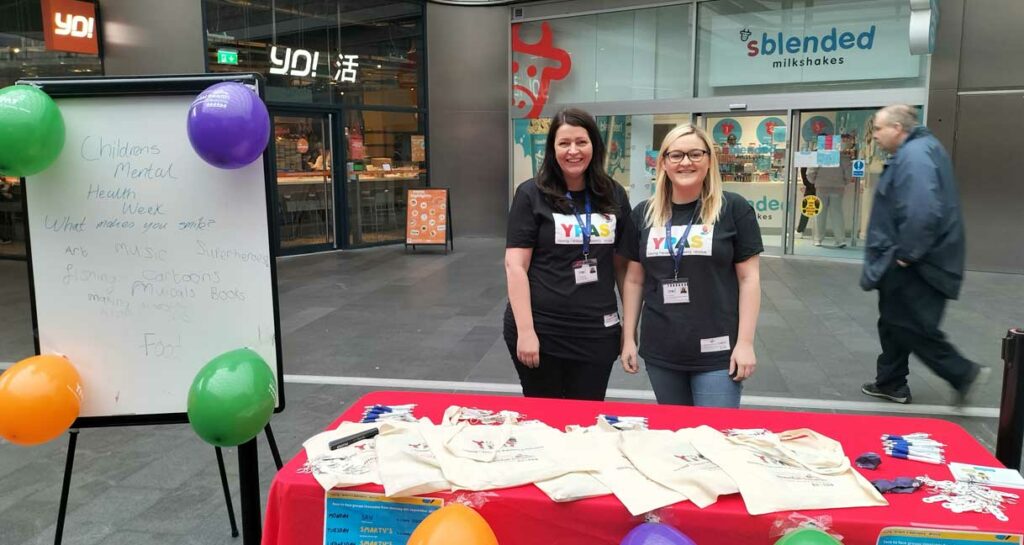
927	536
361	518
989	476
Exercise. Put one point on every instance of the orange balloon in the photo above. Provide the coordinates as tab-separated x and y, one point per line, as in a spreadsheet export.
39	399
453	524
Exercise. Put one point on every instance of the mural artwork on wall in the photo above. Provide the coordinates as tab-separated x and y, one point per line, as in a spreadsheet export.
534	95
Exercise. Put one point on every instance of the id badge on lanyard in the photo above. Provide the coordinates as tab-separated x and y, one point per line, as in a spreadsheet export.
584	270
676	290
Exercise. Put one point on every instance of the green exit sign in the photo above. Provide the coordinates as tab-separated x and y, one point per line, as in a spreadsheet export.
227	56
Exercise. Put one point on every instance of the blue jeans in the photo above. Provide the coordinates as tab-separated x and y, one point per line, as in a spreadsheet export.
701	389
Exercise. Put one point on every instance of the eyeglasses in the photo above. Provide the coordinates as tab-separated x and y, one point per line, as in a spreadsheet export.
695	155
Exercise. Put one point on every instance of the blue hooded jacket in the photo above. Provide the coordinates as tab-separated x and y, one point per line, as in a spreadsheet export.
915	217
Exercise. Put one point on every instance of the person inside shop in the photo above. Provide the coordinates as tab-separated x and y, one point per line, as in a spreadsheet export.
830	184
699	289
564	226
322	161
809	191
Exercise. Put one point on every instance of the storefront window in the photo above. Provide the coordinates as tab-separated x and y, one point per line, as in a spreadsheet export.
782	46
751	151
632	143
24	54
386	156
357	54
627	55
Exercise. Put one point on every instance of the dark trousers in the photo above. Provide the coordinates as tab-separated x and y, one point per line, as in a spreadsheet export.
564	378
809	189
910	311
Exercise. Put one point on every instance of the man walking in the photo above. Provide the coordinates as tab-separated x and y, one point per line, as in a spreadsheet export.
914	257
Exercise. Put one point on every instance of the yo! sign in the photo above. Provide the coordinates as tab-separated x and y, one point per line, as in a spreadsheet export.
70	25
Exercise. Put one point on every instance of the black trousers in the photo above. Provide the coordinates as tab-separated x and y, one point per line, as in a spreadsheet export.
910	311
809	189
563	378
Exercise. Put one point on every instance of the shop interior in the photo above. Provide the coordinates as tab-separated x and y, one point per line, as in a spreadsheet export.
386	155
305	180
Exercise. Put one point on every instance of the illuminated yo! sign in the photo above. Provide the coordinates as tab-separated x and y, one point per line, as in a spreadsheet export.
70	25
300	63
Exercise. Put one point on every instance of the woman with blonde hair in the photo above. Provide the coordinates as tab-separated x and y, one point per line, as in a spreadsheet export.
699	287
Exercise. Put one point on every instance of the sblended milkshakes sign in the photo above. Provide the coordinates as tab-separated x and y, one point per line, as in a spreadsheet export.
856	41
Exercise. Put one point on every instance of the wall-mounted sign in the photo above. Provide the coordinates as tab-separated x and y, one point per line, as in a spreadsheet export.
816	126
725	128
301	63
227	56
767	127
853	40
70	25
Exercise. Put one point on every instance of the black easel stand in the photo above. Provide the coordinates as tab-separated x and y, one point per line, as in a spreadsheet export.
249	475
72	441
227	492
1011	409
249	490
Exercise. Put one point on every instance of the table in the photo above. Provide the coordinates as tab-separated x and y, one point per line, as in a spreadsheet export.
524	515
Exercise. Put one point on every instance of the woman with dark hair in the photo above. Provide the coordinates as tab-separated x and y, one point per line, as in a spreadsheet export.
562	322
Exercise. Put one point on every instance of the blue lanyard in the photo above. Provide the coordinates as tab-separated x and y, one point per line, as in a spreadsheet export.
681	245
579	220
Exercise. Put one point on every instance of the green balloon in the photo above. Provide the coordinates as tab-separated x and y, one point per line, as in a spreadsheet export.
31	131
232	398
808	536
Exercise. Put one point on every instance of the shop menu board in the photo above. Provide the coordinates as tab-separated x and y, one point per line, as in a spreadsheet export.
427	216
146	261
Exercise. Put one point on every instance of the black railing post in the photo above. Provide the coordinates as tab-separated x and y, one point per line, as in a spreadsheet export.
1011	408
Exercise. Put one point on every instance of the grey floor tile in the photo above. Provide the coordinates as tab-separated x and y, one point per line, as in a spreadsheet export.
385	313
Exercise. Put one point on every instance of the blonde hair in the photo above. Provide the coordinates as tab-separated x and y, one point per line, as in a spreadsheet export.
659	205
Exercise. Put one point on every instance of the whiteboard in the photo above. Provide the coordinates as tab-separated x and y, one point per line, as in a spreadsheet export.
146	262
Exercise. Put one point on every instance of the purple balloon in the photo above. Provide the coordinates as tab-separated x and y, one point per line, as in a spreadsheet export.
228	125
653	533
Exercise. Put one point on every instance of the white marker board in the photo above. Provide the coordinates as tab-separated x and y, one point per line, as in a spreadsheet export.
146	261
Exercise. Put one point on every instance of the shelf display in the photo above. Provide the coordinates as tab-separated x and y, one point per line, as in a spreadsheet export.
751	163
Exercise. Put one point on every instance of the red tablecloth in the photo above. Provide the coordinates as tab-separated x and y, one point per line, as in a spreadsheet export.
524	515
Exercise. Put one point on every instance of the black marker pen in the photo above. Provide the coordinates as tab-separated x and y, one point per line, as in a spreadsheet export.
354	438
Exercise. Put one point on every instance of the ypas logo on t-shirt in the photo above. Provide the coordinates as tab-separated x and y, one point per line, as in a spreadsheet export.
569	231
699	243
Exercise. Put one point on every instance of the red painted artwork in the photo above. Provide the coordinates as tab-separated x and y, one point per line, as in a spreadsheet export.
542	49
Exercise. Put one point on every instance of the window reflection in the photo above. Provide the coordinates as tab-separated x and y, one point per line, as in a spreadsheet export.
352	53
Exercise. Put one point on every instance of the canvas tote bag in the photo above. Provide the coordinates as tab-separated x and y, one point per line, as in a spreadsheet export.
352	465
406	464
670	459
637	493
791	470
577	485
486	457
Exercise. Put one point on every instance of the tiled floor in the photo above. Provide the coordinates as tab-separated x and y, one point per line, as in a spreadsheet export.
385	313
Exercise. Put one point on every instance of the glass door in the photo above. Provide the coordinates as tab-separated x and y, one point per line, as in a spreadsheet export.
836	166
305	182
386	157
751	152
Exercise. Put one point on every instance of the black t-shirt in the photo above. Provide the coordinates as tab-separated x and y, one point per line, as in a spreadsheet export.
564	311
692	336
